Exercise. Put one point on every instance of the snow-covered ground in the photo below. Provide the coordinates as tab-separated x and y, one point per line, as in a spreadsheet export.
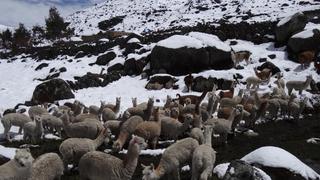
144	16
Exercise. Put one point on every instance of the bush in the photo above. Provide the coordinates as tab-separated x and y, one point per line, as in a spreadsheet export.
21	37
55	25
6	38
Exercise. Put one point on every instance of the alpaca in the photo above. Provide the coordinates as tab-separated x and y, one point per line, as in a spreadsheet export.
254	82
101	166
298	85
194	99
173	158
264	74
239	56
188	82
14	119
306	57
33	130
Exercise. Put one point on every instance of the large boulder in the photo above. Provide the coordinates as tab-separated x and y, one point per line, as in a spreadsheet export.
308	39
181	55
201	84
106	58
52	90
239	170
289	26
133	67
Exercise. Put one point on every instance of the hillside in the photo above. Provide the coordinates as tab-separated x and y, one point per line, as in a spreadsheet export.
141	16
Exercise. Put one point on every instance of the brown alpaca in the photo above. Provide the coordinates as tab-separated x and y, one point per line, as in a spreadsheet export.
306	57
194	99
227	93
264	74
188	82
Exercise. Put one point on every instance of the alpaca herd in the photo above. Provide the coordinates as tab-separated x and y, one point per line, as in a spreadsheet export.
193	122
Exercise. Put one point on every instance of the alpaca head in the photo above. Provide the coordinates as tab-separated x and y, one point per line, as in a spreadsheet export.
149	173
117	146
118	100
139	142
23	157
187	101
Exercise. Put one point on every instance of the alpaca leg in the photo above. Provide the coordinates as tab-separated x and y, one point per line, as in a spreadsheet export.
154	142
300	92
289	90
20	130
206	173
195	173
176	173
6	133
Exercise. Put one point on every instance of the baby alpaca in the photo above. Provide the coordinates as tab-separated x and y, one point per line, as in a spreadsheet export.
18	168
298	85
33	130
48	166
173	158
14	119
97	165
204	157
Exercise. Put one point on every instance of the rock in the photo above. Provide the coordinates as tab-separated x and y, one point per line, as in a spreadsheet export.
303	41
3	160
133	67
262	60
63	69
272	56
239	170
185	59
284	31
201	84
106	58
52	90
159	82
281	173
107	24
116	67
80	54
42	65
269	65
130	48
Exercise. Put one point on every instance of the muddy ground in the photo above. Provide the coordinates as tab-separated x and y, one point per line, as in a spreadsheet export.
285	134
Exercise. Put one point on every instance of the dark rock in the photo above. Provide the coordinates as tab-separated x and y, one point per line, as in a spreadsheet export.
70	60
42	65
272	56
294	25
239	67
106	58
52	70
107	24
281	173
201	84
52	90
3	160
130	48
184	60
232	43
297	45
239	170
269	65
164	81
262	60
287	69
80	54
116	67
63	69
133	67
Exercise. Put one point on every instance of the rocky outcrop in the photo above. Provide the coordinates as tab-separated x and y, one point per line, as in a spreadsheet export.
52	90
105	58
181	55
133	67
201	84
290	26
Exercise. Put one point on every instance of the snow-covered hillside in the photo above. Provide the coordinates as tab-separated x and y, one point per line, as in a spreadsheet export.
144	16
3	28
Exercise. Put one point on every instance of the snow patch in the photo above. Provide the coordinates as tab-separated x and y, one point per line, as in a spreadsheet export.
7	152
210	40
179	41
276	157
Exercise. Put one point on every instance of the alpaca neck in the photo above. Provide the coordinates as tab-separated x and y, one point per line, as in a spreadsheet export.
185	125
148	112
131	159
232	115
160	170
210	105
307	83
117	107
208	136
122	138
99	140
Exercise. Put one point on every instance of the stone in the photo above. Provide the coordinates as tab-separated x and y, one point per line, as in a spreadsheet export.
106	58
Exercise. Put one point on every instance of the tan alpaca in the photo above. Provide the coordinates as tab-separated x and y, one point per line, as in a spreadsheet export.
239	56
298	85
254	82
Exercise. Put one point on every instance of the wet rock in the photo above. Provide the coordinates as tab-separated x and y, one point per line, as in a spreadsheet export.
52	90
296	24
105	59
42	65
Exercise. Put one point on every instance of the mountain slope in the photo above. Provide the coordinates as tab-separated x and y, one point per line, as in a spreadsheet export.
144	16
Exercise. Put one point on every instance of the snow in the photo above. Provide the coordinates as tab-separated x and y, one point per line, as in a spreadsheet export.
308	31
7	152
4	28
152	152
156	15
210	40
133	40
314	141
276	157
76	39
186	168
179	41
